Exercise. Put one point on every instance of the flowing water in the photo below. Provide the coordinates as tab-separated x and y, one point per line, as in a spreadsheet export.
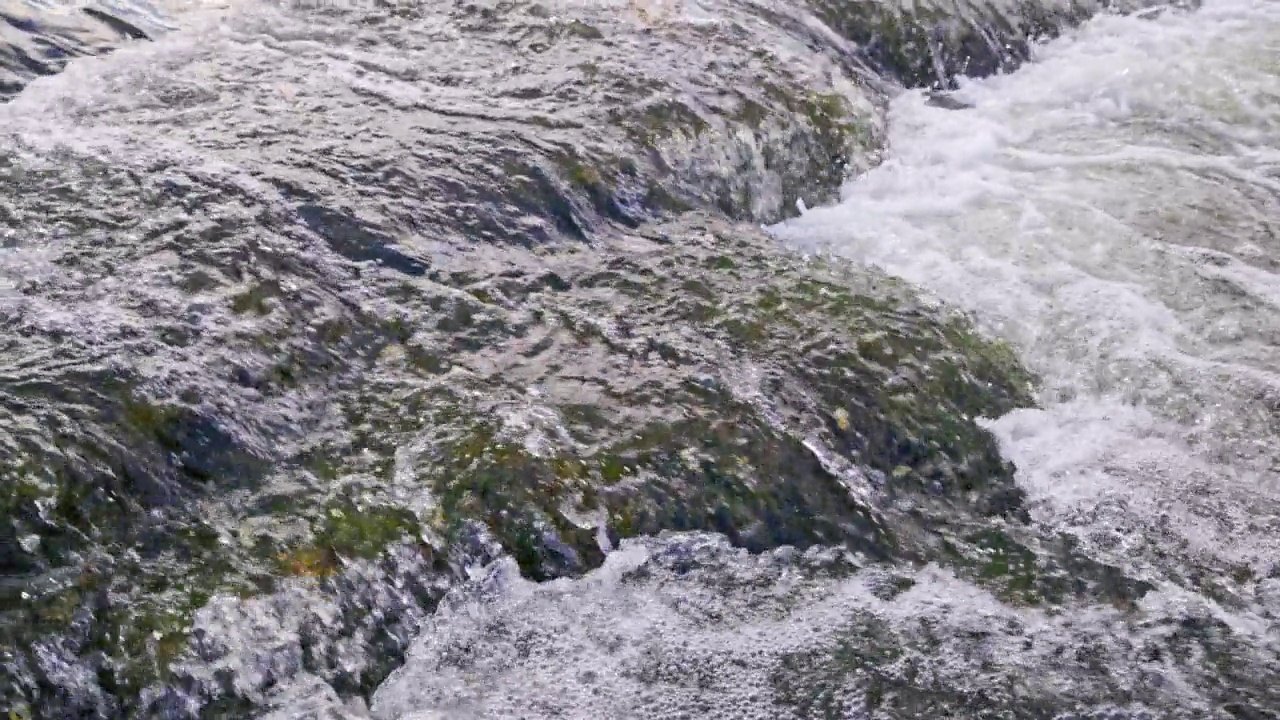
1113	210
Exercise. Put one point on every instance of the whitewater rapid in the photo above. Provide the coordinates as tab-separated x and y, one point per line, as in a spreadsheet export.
1112	211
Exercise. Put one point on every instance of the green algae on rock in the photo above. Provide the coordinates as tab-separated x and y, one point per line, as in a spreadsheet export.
638	403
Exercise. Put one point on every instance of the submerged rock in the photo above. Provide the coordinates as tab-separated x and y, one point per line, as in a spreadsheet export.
38	40
335	305
930	43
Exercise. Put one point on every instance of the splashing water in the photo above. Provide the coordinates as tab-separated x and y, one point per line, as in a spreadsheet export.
1113	211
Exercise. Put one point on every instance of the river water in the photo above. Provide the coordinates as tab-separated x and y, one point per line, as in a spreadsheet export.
1113	211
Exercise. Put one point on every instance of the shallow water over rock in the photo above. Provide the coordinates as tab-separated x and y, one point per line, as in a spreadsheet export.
308	315
39	38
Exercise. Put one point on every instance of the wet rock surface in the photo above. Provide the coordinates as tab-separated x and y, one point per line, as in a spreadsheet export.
306	315
932	43
37	40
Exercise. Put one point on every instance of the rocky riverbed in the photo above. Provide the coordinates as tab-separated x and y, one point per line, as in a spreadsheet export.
307	313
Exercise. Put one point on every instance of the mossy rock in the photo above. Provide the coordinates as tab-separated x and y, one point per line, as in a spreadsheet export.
692	376
930	44
687	375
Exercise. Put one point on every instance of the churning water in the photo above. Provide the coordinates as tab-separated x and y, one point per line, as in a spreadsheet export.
1113	211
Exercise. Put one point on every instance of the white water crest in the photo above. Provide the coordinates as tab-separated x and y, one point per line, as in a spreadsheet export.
1113	212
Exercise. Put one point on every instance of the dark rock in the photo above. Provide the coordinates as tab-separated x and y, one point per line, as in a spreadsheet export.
37	41
931	43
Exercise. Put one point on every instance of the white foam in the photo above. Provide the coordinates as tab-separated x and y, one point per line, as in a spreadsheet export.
685	626
1112	210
